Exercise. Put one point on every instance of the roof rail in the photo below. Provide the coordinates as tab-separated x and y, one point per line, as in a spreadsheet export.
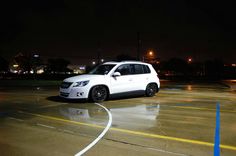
130	61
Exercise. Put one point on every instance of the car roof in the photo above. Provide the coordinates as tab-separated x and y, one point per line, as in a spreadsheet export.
124	62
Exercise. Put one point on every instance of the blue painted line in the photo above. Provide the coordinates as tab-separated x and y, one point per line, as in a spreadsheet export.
217	132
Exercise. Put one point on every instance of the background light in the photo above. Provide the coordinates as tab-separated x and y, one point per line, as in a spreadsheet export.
36	55
150	53
190	60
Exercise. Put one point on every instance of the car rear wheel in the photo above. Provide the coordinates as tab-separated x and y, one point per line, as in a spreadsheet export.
151	90
98	93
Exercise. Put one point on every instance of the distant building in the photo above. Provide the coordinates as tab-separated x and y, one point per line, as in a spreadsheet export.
77	69
17	64
23	64
40	69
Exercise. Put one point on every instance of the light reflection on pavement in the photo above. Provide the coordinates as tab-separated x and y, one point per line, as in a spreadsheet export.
179	110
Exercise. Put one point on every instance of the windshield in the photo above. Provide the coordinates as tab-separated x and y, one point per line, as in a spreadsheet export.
102	69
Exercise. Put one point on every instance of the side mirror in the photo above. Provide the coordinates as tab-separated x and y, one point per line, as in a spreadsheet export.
116	74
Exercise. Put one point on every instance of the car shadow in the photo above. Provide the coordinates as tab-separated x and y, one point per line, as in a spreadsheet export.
111	98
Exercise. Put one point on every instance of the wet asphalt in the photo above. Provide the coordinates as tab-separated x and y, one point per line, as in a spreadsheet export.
179	120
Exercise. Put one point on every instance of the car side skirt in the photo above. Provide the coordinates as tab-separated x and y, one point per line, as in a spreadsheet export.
127	94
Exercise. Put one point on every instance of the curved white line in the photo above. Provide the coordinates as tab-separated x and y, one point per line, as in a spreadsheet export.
101	135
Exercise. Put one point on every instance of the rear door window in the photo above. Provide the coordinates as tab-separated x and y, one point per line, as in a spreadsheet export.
139	69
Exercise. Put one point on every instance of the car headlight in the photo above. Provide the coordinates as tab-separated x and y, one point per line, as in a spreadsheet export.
81	83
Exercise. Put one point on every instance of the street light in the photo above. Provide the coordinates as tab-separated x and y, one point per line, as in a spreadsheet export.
150	56
150	53
190	60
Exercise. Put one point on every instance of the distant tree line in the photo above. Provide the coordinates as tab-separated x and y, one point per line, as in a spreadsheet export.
172	68
57	65
180	68
211	69
4	65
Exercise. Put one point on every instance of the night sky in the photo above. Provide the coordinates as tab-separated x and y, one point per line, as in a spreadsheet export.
78	29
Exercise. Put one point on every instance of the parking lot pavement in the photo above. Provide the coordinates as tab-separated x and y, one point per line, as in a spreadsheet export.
179	120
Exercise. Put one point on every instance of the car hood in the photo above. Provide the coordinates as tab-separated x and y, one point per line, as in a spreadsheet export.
84	77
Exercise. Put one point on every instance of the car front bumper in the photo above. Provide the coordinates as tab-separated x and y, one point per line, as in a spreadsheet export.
75	93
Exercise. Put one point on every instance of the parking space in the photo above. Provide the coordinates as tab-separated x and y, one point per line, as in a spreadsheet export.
179	120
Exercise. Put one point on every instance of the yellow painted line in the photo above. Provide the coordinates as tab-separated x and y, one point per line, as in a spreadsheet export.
164	137
134	132
52	105
199	108
228	147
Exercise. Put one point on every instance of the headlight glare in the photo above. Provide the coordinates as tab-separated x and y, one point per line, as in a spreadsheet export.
80	83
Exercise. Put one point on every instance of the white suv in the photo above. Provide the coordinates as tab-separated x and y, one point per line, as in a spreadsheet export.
110	79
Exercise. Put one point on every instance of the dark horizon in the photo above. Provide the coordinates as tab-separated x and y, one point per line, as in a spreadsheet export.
80	30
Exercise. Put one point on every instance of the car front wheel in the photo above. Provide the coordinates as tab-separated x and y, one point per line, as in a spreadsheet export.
98	93
151	90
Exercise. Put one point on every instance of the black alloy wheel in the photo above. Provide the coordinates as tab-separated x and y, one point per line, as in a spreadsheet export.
98	93
151	90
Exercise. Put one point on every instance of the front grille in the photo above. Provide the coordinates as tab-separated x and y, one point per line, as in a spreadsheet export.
64	94
65	85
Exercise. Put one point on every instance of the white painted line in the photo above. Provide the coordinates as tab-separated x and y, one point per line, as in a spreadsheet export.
100	136
20	120
52	105
47	126
169	152
68	131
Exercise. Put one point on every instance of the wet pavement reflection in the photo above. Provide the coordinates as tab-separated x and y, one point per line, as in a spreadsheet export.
141	125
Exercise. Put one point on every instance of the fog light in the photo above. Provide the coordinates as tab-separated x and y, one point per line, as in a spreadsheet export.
80	93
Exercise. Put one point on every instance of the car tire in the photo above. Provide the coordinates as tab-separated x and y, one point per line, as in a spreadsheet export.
99	93
151	90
